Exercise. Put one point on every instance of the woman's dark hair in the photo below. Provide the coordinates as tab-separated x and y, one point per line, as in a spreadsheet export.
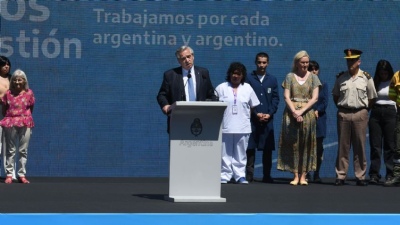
313	64
4	61
382	65
236	66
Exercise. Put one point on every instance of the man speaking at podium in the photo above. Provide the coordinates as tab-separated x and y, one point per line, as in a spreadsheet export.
184	83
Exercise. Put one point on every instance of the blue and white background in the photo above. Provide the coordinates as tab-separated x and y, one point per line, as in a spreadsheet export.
96	66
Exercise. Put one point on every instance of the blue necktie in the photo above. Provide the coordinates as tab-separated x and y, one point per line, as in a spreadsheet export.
192	95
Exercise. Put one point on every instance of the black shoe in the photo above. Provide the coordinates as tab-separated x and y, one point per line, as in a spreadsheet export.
362	183
317	179
308	177
389	177
339	182
249	178
395	181
267	180
374	179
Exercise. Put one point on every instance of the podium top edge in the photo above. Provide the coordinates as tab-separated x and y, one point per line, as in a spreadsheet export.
205	103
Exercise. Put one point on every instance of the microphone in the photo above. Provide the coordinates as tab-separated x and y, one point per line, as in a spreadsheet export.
216	98
212	96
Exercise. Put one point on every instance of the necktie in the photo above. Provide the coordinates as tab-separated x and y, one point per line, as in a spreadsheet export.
192	95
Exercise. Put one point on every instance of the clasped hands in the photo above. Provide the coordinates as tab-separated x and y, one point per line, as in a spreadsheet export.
263	117
297	114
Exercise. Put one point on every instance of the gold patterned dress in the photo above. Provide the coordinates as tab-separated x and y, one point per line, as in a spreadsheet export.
298	143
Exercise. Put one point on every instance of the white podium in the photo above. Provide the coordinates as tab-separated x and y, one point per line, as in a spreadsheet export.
195	152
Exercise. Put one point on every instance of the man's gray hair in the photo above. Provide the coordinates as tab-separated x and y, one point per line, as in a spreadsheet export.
183	48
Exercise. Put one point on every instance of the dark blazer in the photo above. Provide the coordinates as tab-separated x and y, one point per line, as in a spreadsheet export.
172	88
321	106
262	136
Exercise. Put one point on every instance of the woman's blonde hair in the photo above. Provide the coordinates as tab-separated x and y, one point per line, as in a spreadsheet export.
297	57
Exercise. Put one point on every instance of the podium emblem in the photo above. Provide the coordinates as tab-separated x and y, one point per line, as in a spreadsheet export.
196	127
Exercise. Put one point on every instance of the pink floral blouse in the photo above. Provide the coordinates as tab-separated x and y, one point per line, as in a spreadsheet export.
18	113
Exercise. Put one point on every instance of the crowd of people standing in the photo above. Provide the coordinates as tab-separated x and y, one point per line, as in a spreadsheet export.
252	99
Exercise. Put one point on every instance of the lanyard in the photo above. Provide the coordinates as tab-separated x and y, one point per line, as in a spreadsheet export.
234	96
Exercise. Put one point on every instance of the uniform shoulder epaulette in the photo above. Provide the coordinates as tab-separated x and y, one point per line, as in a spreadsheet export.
339	74
367	75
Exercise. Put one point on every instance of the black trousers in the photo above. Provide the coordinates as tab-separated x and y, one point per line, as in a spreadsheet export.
382	138
320	153
396	157
266	161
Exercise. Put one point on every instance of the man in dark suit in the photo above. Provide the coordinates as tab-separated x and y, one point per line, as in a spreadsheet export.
185	83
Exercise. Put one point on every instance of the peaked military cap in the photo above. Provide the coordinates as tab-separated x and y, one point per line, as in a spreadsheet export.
352	53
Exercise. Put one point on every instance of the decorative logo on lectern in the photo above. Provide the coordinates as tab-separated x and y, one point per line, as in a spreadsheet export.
196	127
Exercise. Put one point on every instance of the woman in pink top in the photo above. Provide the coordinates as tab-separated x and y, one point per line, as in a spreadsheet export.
17	123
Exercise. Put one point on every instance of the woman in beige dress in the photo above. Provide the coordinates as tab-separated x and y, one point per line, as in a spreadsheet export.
298	143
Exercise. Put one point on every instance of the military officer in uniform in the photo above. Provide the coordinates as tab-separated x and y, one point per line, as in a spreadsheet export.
353	94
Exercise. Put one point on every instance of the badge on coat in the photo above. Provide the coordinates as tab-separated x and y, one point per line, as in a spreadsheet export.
234	109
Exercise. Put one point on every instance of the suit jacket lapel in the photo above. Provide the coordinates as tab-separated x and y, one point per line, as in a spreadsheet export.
198	80
179	77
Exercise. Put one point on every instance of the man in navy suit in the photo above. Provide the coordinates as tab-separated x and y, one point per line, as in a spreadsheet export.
185	83
262	137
